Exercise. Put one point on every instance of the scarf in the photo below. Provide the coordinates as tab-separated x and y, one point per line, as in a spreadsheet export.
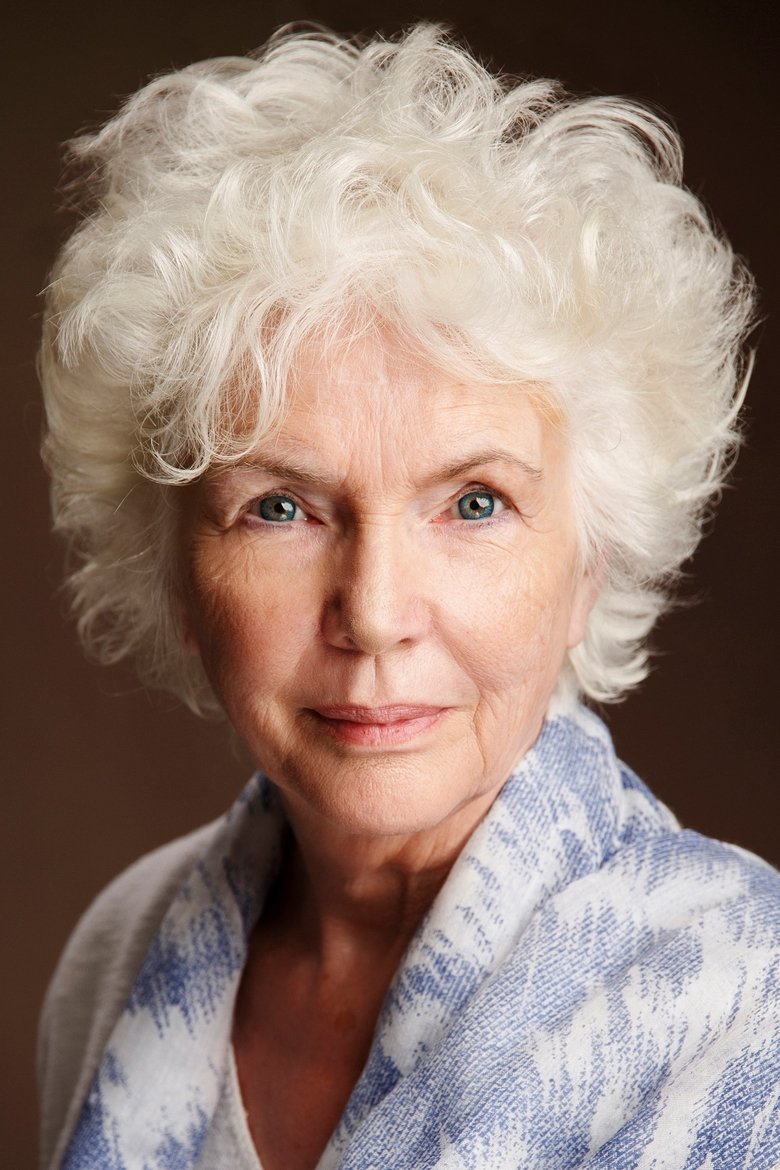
592	987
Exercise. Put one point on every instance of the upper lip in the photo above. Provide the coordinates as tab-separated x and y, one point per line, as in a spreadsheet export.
390	713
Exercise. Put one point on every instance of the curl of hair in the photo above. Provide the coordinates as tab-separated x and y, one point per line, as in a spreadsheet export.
505	231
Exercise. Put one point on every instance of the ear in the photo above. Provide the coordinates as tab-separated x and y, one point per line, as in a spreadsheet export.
585	596
189	638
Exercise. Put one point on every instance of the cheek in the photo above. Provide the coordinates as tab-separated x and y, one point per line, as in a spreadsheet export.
511	631
250	627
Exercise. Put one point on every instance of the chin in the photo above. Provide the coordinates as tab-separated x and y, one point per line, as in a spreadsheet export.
377	797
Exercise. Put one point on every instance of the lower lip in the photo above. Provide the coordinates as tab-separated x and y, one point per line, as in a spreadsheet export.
400	731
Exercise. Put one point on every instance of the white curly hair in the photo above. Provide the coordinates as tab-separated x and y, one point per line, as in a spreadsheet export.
505	230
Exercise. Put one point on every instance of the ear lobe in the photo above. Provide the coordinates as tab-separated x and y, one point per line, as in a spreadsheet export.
585	597
189	638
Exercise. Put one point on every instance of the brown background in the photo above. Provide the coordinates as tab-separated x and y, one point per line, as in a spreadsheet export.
96	771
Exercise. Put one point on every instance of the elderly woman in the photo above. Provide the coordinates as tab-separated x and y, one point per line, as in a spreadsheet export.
385	401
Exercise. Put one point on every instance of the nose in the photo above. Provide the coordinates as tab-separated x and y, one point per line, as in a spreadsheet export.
377	599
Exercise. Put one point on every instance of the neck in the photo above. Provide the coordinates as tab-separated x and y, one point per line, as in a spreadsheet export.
344	895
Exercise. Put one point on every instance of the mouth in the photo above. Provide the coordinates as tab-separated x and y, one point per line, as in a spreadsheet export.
377	726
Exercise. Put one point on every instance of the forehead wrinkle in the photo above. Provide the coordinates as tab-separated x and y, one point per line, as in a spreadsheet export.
299	471
284	468
483	457
375	416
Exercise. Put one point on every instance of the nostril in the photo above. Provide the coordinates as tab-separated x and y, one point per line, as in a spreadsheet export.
372	619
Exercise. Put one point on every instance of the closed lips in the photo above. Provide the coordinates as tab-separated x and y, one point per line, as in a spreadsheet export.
395	713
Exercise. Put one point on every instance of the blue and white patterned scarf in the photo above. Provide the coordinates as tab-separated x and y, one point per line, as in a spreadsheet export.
593	987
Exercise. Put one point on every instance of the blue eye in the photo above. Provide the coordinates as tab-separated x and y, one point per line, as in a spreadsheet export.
277	509
477	505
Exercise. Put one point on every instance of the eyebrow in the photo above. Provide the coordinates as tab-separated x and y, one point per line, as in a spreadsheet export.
289	469
284	469
489	455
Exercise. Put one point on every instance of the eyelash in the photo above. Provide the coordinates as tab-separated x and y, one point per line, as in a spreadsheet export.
257	501
484	521
473	489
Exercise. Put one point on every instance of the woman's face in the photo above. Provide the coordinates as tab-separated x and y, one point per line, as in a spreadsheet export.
383	595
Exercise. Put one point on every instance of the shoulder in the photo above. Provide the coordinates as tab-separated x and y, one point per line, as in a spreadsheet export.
94	975
713	974
675	893
657	977
684	878
701	989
